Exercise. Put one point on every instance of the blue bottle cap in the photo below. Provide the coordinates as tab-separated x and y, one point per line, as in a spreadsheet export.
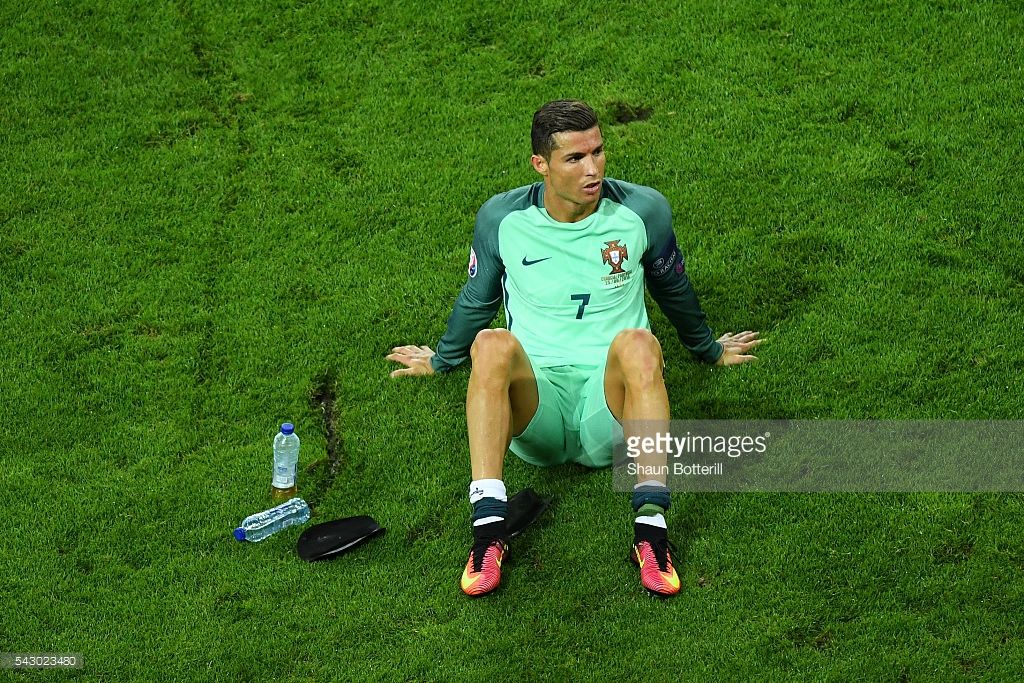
287	428
239	534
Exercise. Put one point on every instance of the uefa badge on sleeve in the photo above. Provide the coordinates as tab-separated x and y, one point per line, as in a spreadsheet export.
472	262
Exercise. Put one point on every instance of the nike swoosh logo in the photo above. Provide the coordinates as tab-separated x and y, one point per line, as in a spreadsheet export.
468	582
530	263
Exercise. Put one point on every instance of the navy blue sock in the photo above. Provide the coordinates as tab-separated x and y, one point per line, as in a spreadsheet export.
489	507
654	494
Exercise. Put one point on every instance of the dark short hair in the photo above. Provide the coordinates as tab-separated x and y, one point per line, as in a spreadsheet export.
559	116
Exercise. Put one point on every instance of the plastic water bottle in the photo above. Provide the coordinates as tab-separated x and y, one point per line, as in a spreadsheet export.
257	527
286	462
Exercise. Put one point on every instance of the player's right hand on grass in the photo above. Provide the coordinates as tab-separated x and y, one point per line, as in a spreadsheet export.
735	347
416	360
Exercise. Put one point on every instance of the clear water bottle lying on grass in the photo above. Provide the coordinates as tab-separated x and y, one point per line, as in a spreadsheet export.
257	527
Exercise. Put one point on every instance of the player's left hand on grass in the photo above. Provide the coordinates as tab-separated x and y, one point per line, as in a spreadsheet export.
416	360
736	346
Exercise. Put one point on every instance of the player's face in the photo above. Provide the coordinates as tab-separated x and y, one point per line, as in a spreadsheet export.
574	173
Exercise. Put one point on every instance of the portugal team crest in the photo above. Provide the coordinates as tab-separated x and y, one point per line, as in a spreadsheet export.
614	254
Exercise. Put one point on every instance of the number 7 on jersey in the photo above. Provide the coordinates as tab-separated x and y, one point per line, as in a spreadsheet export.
584	299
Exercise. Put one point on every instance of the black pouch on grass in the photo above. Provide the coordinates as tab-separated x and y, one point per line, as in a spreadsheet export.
329	540
523	510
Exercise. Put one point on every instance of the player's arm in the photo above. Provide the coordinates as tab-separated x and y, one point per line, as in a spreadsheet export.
669	284
474	309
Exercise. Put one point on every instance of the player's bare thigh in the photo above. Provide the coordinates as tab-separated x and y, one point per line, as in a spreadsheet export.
634	353
499	357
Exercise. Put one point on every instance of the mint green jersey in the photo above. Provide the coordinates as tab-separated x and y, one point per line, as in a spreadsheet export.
569	288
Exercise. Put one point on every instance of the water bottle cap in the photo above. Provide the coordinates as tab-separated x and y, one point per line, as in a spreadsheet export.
287	428
239	534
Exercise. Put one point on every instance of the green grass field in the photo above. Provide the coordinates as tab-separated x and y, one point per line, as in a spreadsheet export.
212	215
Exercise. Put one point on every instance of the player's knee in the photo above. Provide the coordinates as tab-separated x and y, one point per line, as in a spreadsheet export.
638	353
493	348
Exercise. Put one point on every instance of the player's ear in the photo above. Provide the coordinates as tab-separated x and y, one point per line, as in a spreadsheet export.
540	164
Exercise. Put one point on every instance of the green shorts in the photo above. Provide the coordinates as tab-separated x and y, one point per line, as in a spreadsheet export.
572	422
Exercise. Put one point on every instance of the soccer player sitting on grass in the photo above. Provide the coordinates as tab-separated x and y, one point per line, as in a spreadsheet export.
569	257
